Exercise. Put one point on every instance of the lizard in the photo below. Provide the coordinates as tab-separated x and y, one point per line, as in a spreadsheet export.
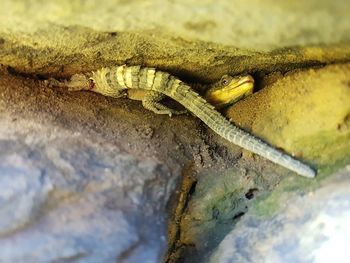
124	81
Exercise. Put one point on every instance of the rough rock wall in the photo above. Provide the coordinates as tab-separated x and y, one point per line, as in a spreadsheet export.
90	178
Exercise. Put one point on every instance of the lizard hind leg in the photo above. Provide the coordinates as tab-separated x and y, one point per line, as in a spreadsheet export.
151	101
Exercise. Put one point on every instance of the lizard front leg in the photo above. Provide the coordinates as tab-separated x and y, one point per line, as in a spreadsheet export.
151	101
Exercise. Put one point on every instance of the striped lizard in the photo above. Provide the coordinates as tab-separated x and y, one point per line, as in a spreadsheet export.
127	81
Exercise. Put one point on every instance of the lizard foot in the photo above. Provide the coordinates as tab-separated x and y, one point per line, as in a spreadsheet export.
159	108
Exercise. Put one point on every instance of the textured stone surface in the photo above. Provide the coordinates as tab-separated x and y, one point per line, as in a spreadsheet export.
197	40
306	113
231	23
68	194
312	226
68	158
312	123
66	198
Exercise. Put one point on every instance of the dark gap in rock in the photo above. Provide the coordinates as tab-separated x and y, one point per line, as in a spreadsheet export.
193	188
113	34
240	214
12	71
251	193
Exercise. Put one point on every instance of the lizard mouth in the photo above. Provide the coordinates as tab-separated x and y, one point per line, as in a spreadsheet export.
245	80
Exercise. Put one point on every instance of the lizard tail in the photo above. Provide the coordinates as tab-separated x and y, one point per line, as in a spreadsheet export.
218	123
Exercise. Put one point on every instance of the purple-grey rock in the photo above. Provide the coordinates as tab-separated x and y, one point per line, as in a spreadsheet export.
68	198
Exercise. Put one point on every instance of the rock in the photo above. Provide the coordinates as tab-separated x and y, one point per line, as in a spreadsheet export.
310	227
24	188
67	194
71	199
138	156
193	40
306	113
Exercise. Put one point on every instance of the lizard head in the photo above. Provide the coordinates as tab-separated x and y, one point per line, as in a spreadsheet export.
80	82
229	89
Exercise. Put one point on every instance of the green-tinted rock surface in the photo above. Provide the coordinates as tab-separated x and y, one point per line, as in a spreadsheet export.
310	226
306	113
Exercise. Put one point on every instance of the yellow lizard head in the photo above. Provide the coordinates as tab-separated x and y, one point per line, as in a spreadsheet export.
229	90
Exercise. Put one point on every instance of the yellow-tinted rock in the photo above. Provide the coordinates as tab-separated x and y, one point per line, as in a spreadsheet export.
306	113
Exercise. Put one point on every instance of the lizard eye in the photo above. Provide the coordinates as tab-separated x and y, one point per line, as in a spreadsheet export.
224	81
